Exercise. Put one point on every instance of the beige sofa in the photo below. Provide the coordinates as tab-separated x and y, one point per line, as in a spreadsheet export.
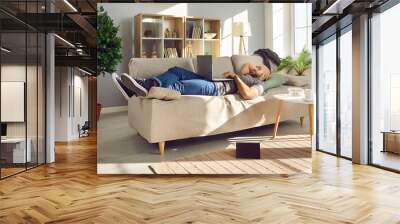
159	121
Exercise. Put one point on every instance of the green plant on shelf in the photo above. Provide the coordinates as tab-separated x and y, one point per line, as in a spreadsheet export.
299	65
108	44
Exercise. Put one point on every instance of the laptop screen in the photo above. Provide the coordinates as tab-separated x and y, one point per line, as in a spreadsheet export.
204	66
3	129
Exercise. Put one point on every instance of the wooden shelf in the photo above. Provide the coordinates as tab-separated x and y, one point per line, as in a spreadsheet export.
193	39
151	22
156	34
151	38
173	38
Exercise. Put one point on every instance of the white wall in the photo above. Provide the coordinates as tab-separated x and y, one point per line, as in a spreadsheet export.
68	80
17	72
268	26
33	125
83	83
123	13
61	103
80	83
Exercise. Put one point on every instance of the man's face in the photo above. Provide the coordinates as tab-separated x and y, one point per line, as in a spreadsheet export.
259	71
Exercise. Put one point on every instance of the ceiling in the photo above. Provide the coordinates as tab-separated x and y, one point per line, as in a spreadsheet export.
331	15
16	44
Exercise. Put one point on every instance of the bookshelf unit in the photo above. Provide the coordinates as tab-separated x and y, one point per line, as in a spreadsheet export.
158	36
173	36
212	45
202	36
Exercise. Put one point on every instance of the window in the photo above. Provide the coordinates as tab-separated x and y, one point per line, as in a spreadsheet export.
302	27
22	66
277	28
385	87
334	104
394	101
326	107
346	93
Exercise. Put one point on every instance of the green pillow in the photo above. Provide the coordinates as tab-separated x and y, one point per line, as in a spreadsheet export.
274	81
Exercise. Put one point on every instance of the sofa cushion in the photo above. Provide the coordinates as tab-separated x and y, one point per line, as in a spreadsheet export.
220	65
274	81
149	67
163	94
239	60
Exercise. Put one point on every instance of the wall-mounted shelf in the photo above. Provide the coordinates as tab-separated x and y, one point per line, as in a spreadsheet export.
158	36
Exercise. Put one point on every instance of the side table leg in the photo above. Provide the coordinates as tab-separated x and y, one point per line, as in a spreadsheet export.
311	117
277	117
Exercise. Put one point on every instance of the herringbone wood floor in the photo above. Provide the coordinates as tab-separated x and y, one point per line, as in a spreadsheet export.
282	155
70	191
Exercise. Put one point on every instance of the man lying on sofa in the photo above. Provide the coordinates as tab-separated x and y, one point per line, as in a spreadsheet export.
248	83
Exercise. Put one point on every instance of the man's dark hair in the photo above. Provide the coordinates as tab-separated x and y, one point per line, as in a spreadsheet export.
268	56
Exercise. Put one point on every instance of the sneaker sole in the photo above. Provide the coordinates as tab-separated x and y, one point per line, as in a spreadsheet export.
134	86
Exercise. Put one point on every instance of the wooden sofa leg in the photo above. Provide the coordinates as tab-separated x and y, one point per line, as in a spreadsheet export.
301	121
161	147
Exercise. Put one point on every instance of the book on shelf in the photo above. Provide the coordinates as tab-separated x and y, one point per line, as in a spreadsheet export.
170	53
188	50
196	32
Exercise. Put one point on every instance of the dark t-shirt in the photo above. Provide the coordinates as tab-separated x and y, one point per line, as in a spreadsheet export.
229	87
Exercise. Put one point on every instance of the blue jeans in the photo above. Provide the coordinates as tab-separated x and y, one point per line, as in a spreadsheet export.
186	82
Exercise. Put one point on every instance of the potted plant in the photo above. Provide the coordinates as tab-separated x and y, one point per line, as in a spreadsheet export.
98	111
301	64
108	46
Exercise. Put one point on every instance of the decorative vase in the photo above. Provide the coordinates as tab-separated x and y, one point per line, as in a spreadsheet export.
167	33
147	33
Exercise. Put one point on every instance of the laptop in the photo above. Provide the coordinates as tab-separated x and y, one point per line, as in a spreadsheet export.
205	68
3	131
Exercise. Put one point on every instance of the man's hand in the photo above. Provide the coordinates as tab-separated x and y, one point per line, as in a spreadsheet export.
229	74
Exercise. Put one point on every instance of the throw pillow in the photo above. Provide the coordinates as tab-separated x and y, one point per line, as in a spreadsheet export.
274	81
239	60
163	94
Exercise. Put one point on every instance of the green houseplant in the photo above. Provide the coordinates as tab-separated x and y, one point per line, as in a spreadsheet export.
108	44
108	47
299	65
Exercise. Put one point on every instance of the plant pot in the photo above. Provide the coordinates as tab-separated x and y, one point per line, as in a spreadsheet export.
298	80
98	111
